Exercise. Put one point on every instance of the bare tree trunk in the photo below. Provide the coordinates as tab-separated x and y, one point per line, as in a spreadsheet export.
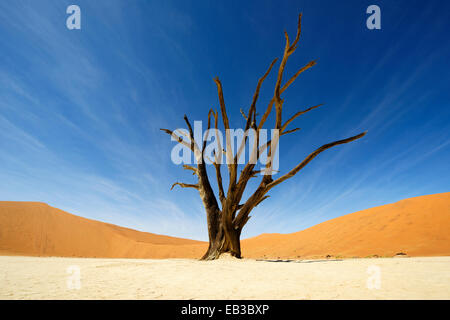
224	241
221	238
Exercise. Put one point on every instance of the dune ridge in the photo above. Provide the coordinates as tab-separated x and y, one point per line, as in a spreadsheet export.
416	227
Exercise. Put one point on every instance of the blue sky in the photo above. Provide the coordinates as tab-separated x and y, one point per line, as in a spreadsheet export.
80	110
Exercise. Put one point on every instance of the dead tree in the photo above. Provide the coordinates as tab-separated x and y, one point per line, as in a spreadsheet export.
226	216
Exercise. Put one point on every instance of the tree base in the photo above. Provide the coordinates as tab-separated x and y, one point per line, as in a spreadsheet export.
216	256
224	244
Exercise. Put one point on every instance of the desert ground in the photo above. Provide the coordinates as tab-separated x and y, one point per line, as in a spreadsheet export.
90	278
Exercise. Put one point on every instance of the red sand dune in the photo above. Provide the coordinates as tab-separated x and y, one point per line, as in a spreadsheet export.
417	226
36	229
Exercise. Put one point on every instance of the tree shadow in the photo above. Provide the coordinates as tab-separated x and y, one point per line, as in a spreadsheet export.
297	261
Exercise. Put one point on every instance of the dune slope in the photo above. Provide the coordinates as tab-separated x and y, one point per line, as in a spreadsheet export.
417	226
36	229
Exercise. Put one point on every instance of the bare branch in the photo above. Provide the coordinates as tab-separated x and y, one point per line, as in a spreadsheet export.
232	167
223	110
243	114
251	119
262	199
286	85
178	138
288	50
219	182
187	167
218	160
297	115
241	219
289	131
207	130
219	146
184	185
297	37
179	131
254	173
191	132
292	79
300	166
263	148
252	110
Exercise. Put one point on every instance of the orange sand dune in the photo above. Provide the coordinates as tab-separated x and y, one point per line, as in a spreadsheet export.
36	229
417	226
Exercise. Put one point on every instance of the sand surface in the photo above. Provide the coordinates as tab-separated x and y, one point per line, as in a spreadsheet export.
377	278
417	226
